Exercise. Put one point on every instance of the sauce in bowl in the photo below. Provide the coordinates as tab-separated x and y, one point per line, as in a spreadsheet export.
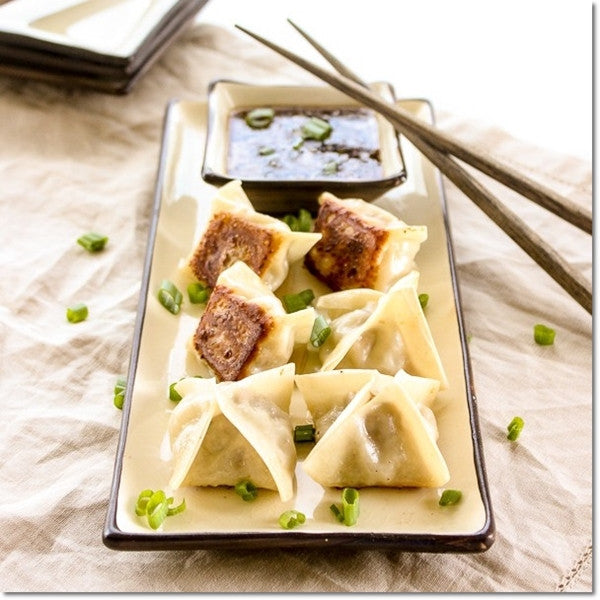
279	151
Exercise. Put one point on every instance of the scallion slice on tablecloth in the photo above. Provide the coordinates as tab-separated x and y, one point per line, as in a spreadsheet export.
77	312
93	242
543	335
514	428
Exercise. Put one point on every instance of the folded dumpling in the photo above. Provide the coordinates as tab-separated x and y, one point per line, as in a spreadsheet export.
327	393
379	439
222	433
235	231
245	329
363	245
383	331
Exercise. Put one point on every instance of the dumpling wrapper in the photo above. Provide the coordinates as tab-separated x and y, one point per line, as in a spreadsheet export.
236	231
327	393
379	439
222	433
387	332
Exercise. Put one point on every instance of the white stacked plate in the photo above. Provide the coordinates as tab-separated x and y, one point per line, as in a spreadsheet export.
102	44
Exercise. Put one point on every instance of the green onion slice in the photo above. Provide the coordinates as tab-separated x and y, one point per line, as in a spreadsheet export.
176	509
304	433
169	296
348	515
157	509
77	312
423	300
320	332
316	129
119	392
142	502
304	220
331	168
298	143
266	151
543	335
291	221
299	301
260	118
93	242
450	497
198	293
291	518
174	395
514	428
246	489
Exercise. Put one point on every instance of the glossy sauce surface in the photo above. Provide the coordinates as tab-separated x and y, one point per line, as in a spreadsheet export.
351	151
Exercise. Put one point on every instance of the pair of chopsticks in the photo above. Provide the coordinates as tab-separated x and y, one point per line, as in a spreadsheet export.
442	150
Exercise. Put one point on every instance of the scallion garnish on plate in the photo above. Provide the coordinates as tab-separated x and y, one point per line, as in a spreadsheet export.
304	433
291	518
348	514
198	293
169	296
156	507
246	490
316	129
320	331
450	497
295	302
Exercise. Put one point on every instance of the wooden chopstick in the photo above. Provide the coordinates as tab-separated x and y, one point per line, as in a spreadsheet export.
421	136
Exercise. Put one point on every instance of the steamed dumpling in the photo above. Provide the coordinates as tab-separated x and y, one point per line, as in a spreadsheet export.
222	433
245	329
386	332
327	393
363	245
235	231
379	439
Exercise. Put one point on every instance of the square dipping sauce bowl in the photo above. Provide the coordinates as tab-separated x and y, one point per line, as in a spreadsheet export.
273	170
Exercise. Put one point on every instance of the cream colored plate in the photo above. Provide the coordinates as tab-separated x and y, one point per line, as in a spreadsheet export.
408	519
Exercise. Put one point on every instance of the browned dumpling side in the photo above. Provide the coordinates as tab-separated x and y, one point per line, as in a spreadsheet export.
362	245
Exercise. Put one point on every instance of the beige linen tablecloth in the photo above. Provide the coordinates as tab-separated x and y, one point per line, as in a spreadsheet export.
74	161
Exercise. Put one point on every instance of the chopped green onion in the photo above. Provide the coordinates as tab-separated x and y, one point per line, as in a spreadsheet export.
174	395
544	336
337	513
119	392
316	129
423	300
156	507
298	143
304	220
331	168
304	433
514	428
176	509
291	518
300	222
260	118
266	151
246	489
92	242
450	497
198	293
169	296
142	502
291	221
348	515
299	301
320	332
77	312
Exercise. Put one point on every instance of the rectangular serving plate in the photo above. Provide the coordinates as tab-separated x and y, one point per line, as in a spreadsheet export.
402	519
